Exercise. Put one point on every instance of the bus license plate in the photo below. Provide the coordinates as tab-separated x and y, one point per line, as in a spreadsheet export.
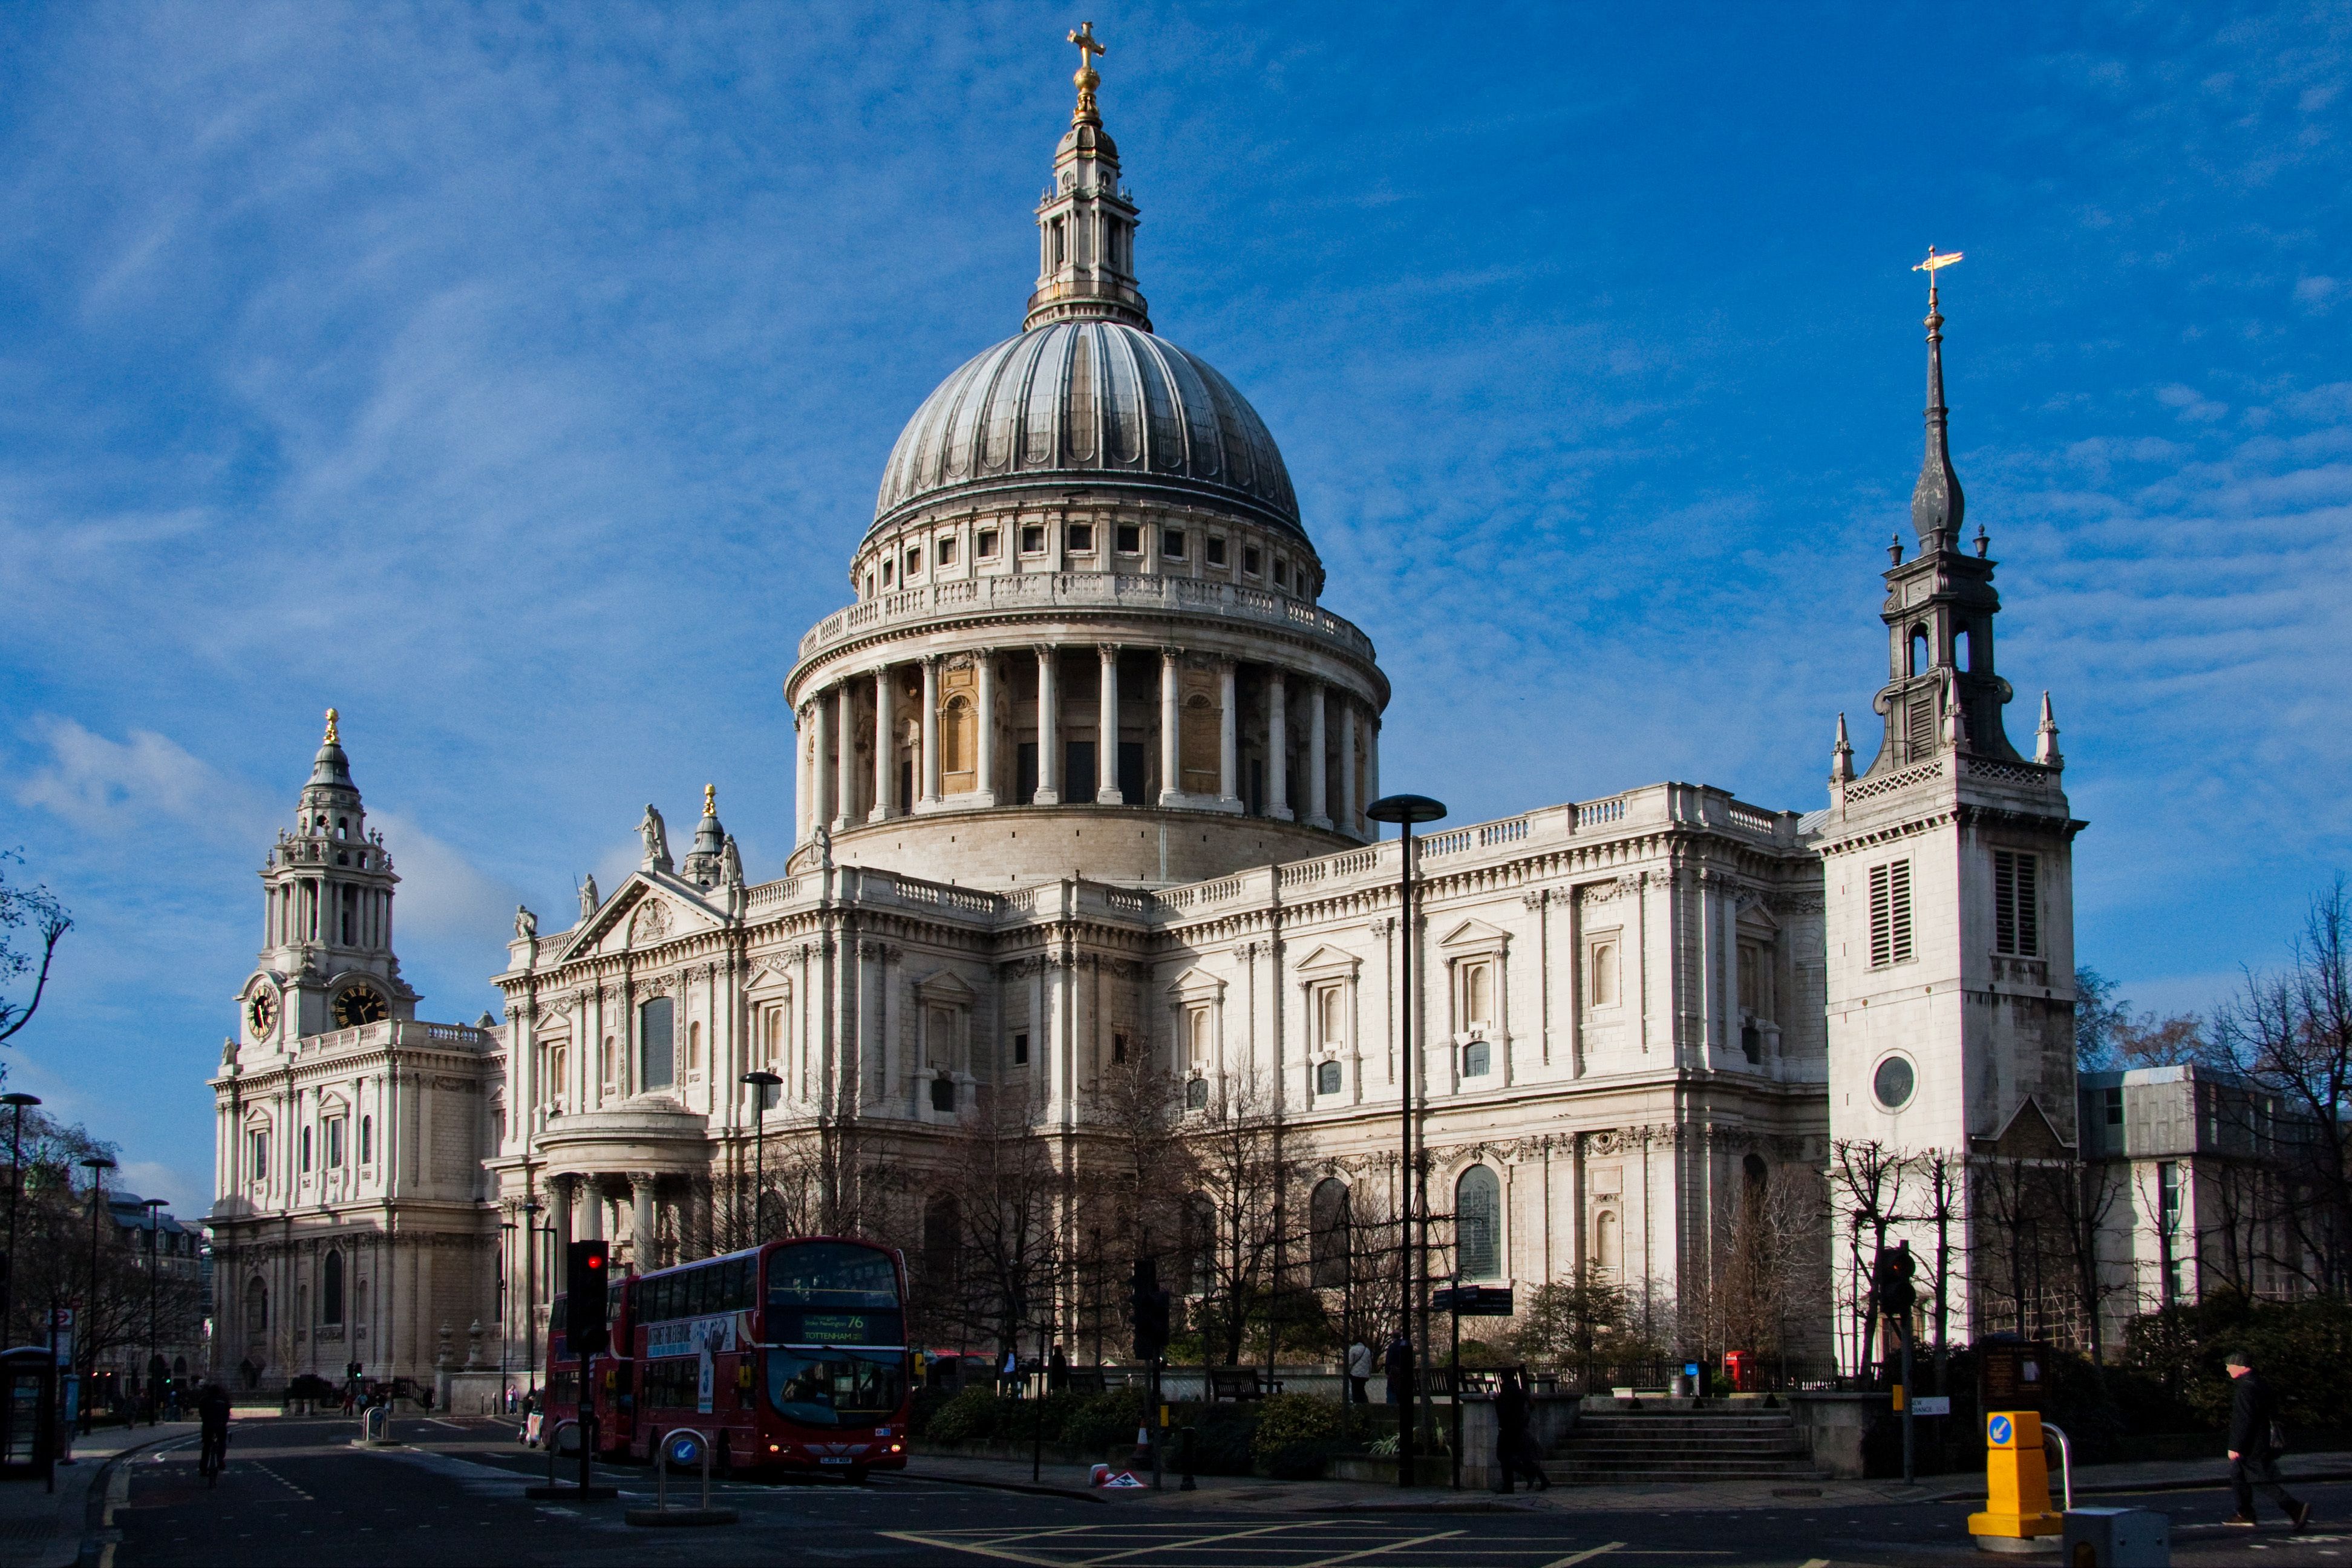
832	1459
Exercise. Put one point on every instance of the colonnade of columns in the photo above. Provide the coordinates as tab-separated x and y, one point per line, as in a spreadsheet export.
829	778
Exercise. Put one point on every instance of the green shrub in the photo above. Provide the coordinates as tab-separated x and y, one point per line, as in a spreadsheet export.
970	1415
1100	1421
1295	1434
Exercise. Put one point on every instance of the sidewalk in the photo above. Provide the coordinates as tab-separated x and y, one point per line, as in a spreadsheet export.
1249	1494
40	1529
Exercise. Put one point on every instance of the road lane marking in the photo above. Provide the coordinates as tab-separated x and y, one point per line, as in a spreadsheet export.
1592	1551
1398	1545
1195	1544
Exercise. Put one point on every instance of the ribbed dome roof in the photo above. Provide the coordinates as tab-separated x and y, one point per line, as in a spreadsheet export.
1088	402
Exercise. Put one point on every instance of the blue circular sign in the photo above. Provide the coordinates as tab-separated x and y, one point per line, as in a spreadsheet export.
686	1449
2001	1431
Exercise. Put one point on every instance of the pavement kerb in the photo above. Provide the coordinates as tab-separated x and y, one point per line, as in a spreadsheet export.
1033	1488
2175	1484
96	1534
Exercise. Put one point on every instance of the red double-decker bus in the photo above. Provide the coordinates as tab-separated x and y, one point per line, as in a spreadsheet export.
788	1358
615	1406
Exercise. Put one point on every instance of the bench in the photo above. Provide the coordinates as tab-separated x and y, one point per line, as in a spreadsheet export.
1237	1384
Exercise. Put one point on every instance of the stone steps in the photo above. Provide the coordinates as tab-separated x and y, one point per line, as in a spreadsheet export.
1624	1447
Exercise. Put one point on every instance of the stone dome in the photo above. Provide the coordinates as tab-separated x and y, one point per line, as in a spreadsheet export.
1088	402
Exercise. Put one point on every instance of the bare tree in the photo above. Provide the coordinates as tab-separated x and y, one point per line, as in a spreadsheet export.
2079	1198
1768	1266
1865	1192
21	906
1243	1154
1010	1200
2289	1033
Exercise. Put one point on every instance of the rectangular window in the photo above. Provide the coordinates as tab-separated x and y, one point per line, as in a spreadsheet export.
1033	539
1079	539
367	1138
257	1155
1172	544
1130	539
914	559
1890	914
306	1150
984	545
2167	1181
2016	906
1252	561
656	1058
1216	550
888	573
335	1143
2114	1107
1921	720
1281	572
1118	1048
1019	1051
947	550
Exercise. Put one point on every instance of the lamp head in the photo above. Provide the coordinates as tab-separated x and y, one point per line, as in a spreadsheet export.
764	1080
20	1101
1405	809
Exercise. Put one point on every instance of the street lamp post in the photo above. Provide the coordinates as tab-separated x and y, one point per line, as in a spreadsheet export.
15	1188
97	1166
531	1290
761	1082
1405	811
505	1339
154	1207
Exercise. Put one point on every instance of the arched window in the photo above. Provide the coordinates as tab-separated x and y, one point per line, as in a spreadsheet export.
1477	1059
1329	1239
1921	660
1964	650
657	1056
331	1289
959	740
1751	1169
1605	1248
694	1046
1478	1223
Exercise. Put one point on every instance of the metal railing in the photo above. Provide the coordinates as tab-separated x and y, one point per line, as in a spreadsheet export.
666	1455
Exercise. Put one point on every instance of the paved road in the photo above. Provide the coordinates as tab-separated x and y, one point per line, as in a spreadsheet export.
297	1493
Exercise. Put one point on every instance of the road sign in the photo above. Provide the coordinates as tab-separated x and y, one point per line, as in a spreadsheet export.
1472	1301
1932	1404
1999	1433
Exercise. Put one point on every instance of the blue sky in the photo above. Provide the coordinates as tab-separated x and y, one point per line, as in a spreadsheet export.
516	379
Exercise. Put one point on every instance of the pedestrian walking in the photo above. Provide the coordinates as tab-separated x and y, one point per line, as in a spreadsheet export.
1057	1372
212	1412
1359	1372
1515	1444
1397	1365
2256	1440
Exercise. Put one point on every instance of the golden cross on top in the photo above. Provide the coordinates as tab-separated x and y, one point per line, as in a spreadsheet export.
1084	37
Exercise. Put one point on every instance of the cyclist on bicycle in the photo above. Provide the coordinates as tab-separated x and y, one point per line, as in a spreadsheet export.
212	1410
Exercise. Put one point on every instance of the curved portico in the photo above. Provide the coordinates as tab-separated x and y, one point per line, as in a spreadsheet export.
636	1172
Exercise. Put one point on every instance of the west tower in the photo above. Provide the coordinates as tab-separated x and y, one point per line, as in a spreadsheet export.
1949	900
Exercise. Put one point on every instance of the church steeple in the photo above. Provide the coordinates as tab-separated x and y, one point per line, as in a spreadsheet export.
1942	694
1936	503
1086	224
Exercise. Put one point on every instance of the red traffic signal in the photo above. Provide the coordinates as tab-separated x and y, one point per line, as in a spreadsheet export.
585	1327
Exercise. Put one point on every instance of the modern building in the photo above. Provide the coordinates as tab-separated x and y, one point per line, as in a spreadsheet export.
1083	770
349	1222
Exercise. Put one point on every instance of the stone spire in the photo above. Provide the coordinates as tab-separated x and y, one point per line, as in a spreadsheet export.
2045	739
1936	503
1086	224
703	865
1842	756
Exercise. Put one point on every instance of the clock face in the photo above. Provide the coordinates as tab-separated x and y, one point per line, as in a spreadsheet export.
262	1012
359	1004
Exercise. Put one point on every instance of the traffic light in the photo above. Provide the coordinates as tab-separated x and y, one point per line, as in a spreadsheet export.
1891	1277
585	1326
1148	1304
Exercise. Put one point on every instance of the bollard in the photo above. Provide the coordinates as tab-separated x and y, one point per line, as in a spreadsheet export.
676	1446
552	1491
2016	1510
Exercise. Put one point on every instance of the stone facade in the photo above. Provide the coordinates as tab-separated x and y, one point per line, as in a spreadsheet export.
1082	778
349	1221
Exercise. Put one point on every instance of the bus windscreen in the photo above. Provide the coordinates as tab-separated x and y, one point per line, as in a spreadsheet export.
833	1387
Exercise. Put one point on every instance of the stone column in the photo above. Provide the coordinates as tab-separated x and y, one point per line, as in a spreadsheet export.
844	767
1277	749
566	1192
1049	726
881	746
1348	822
591	1209
1107	731
1318	800
804	798
1372	760
930	729
1172	756
643	1245
1229	750
986	780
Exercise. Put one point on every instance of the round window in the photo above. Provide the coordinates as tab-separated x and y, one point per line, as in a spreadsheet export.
1892	1083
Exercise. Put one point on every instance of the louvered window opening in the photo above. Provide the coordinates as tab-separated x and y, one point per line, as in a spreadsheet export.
1890	914
2016	925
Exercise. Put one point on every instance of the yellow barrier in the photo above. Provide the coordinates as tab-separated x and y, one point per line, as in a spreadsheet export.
2017	1485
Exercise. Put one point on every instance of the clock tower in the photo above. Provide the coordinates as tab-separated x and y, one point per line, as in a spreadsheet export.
327	962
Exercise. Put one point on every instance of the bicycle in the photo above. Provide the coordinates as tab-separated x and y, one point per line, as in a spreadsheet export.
212	1457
